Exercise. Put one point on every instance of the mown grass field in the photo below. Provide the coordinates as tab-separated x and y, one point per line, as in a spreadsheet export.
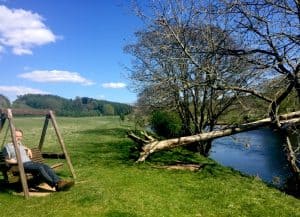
110	184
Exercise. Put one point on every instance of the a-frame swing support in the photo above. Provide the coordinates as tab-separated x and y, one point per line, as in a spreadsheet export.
8	114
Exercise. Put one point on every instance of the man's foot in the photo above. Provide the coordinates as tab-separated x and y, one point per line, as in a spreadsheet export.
64	185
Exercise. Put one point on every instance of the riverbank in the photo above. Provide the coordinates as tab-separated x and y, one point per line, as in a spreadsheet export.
110	184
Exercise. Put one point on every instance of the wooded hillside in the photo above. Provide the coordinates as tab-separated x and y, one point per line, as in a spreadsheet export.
80	106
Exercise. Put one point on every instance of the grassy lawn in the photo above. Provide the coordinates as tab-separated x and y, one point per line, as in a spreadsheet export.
110	184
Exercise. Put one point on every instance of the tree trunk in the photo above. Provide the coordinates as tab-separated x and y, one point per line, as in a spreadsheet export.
154	146
290	135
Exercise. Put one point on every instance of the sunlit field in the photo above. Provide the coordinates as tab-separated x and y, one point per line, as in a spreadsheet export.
109	182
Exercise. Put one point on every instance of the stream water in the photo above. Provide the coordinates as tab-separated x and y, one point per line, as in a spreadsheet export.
258	153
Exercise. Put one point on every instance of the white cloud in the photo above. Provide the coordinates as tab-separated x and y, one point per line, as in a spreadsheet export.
13	91
56	76
22	30
100	97
114	85
1	49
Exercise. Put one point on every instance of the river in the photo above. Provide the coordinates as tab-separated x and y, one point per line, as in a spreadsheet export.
257	153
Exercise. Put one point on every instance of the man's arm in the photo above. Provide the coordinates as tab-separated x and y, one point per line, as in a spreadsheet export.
8	158
28	151
11	161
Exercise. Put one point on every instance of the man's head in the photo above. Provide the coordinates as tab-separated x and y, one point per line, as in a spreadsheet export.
19	134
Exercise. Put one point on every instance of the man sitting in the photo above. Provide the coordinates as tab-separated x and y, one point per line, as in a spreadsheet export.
43	171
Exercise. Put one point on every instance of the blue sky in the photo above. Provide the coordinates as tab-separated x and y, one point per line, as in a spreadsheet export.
66	48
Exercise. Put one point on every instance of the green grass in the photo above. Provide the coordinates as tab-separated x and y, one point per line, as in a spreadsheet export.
110	184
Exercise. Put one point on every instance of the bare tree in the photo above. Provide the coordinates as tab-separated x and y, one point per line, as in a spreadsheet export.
177	63
199	57
270	30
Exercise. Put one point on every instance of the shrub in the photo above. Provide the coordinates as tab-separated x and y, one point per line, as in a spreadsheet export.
166	124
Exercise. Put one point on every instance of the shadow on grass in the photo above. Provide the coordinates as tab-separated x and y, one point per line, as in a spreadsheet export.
9	188
124	151
120	214
216	170
113	132
113	150
105	144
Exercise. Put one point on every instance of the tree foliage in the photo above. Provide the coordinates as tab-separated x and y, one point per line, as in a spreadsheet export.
200	36
80	106
4	101
166	124
205	58
108	109
270	31
177	67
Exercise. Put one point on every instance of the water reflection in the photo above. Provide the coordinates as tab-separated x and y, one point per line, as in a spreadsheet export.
258	153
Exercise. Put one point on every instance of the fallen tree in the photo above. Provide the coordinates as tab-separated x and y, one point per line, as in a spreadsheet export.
151	145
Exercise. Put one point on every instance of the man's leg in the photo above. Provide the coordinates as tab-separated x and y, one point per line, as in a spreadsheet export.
50	172
48	175
43	171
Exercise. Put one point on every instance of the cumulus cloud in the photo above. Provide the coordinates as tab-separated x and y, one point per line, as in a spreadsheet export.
1	49
55	76
114	85
22	30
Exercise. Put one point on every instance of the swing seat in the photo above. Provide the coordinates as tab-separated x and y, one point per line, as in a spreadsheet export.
11	172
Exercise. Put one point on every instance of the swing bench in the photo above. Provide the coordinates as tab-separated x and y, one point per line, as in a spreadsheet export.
11	172
16	173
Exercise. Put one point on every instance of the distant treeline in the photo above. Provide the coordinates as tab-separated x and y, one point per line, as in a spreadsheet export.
80	106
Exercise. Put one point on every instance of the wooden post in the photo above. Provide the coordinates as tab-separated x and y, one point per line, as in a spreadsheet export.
61	142
18	155
42	139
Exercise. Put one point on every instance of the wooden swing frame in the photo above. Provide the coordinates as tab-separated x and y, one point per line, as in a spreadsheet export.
49	115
